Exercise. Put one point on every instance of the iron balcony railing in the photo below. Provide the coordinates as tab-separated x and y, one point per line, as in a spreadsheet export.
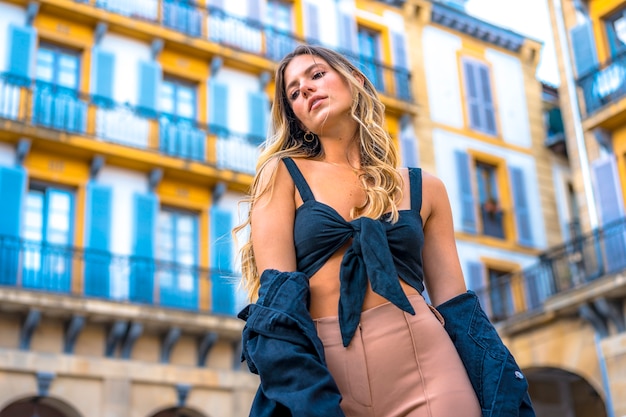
41	266
240	33
50	106
578	262
605	84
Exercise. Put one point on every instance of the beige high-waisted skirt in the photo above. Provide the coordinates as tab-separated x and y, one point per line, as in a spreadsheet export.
397	365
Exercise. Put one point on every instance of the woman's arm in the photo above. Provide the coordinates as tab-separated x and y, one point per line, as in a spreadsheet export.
442	270
272	220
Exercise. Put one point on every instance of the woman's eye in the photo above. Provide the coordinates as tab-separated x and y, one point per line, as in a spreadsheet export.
319	74
294	95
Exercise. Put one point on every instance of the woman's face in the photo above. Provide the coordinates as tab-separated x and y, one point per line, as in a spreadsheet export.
319	96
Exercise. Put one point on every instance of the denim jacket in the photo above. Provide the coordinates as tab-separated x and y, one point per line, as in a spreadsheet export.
280	344
501	387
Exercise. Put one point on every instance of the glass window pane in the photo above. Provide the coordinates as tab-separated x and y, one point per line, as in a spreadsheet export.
45	65
166	99
59	201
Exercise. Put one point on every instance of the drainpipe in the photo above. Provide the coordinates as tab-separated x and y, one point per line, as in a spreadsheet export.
578	129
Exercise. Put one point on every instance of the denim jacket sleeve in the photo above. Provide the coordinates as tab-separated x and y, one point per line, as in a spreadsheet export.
280	344
501	387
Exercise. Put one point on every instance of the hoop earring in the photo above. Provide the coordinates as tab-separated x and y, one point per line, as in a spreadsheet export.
309	137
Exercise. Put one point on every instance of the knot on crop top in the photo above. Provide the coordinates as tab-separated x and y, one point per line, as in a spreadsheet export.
380	251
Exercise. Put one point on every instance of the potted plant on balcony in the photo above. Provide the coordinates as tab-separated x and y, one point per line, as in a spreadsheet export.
492	207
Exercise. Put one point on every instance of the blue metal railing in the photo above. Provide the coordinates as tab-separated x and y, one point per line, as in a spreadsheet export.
52	107
604	85
572	265
240	33
41	266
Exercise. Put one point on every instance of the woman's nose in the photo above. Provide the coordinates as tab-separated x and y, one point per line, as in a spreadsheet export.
306	89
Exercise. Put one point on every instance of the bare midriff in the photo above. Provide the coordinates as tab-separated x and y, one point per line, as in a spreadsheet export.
325	286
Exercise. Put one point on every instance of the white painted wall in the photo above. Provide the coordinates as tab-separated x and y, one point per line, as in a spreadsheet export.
510	96
7	155
446	143
8	14
125	184
442	76
128	53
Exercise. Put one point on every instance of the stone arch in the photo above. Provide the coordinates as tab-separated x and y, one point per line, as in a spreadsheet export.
559	392
39	406
178	412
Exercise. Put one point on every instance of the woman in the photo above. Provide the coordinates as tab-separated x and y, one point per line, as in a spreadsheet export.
330	202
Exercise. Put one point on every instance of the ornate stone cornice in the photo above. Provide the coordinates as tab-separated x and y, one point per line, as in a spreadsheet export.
459	21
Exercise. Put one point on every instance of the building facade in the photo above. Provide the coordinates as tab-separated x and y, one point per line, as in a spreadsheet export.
129	132
563	315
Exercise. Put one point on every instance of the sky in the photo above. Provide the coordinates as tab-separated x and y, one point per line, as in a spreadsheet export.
526	17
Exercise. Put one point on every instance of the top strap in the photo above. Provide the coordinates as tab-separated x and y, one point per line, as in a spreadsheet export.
298	179
415	178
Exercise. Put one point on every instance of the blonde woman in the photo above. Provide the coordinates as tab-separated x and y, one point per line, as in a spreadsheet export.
331	211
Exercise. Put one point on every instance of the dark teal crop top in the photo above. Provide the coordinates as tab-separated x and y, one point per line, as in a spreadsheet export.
380	252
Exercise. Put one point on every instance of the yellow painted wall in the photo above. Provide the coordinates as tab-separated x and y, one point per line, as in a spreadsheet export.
598	10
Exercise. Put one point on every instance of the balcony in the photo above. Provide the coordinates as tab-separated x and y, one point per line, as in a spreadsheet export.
47	106
604	86
245	35
565	270
45	267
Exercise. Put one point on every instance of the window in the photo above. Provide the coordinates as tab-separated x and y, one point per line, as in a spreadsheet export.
482	189
178	98
479	101
500	295
179	134
489	200
369	47
279	18
177	250
616	32
56	99
47	230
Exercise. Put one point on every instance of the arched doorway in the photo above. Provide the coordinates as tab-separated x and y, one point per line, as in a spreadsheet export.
556	392
177	412
39	407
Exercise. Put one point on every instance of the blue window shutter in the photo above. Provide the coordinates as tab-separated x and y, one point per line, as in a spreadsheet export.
218	116
149	85
609	200
347	31
254	10
103	73
258	111
472	94
468	209
12	189
22	44
476	282
142	274
97	255
399	50
584	48
223	285
312	22
489	122
608	194
521	209
479	97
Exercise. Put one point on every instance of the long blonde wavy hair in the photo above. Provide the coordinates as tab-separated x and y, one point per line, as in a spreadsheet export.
379	157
